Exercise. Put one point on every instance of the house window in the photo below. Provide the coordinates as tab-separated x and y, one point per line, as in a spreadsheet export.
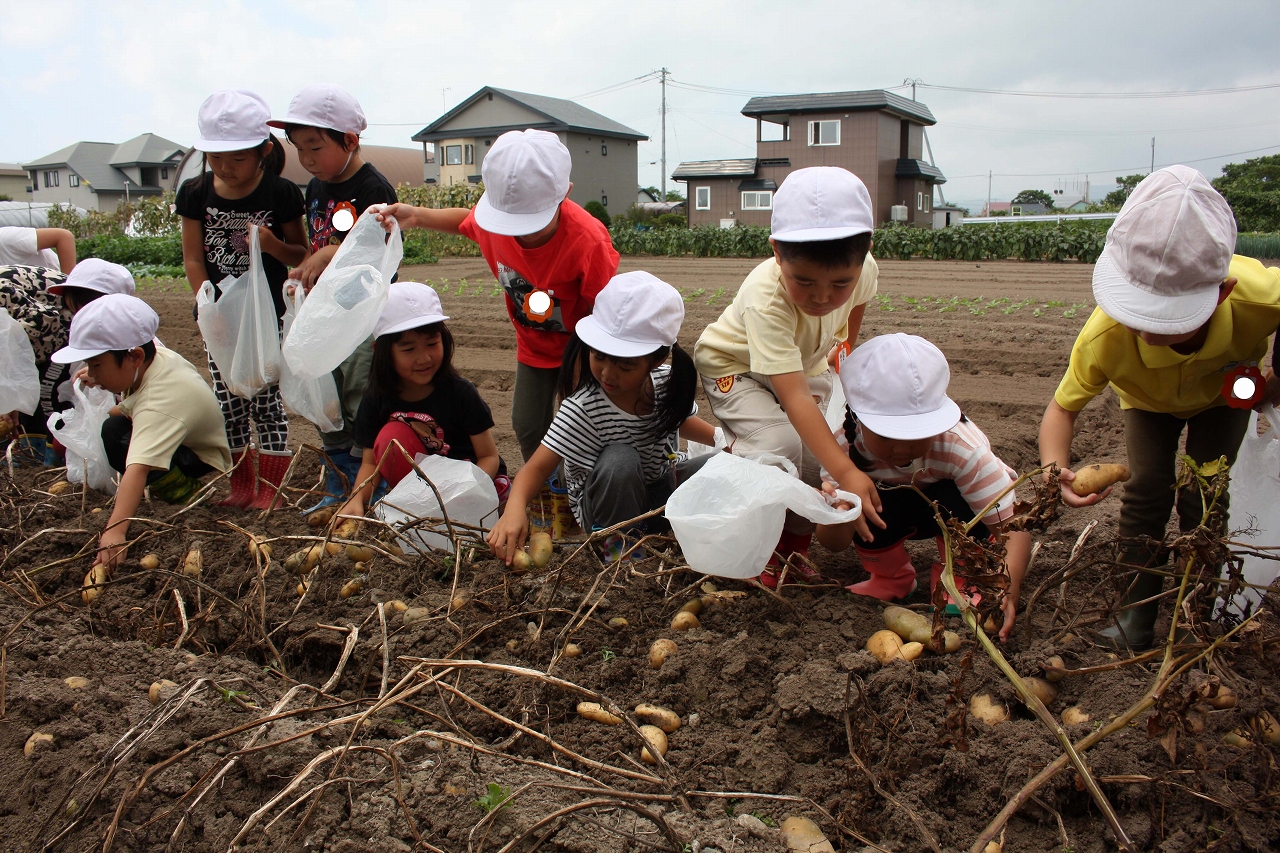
702	198
927	200
604	200
919	201
469	156
50	179
824	132
604	150
73	180
164	173
757	200
453	155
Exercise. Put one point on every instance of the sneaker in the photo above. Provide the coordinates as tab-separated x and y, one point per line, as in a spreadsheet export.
616	545
175	487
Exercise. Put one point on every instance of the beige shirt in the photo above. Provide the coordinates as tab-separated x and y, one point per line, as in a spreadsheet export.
762	331
174	407
18	246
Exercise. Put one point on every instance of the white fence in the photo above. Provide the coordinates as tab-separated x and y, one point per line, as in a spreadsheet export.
1047	217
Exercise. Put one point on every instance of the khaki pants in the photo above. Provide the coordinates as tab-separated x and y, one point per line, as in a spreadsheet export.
352	378
754	422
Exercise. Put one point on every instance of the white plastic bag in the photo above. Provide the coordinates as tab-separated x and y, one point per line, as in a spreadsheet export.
728	516
19	379
1255	504
468	493
343	308
315	399
240	328
79	430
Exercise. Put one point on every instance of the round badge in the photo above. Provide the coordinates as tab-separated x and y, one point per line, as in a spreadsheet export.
537	305
344	216
1243	386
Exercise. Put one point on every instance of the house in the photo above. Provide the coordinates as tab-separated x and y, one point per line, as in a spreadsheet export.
647	196
603	151
877	135
1029	208
14	181
397	165
948	215
102	175
996	208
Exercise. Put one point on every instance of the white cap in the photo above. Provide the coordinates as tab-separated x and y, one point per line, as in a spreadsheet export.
409	305
821	203
635	314
97	274
1166	254
232	120
326	106
897	386
117	321
526	176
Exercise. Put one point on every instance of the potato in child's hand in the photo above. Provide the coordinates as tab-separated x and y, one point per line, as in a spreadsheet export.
1091	479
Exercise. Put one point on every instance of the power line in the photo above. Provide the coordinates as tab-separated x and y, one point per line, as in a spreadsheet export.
1120	169
616	87
1223	90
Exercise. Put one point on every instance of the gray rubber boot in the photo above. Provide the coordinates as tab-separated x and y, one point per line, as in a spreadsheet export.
1135	627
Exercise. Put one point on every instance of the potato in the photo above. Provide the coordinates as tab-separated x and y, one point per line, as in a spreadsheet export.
513	645
617	623
459	601
572	650
333	549
397	605
302	588
393	548
987	709
416	614
653	715
193	563
150	562
657	740
683	621
520	561
1238	737
993	847
347	529
161	690
693	605
320	517
259	549
76	682
911	626
1269	727
540	549
36	741
911	651
1225	698
96	575
352	587
950	642
592	711
303	561
359	553
885	645
1045	691
1074	715
1051	665
59	487
1092	479
802	835
660	651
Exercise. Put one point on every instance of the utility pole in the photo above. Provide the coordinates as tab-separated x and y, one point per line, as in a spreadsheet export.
662	76
443	110
988	192
912	81
1153	155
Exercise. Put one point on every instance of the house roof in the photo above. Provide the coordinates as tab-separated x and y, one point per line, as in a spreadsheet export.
560	115
146	149
397	165
908	168
715	169
12	170
96	162
780	106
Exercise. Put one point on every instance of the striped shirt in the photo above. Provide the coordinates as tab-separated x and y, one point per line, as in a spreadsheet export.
588	422
962	454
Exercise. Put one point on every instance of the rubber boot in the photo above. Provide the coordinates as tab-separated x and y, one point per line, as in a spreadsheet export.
272	466
935	575
242	480
174	487
892	575
1135	627
336	493
789	544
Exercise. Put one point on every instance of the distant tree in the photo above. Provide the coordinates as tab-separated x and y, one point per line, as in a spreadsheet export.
1117	197
1033	197
5	197
675	195
1252	188
597	210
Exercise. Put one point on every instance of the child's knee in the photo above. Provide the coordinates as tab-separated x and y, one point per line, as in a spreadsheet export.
397	432
616	464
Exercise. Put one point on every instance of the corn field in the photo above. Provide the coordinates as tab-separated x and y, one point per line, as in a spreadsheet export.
1261	246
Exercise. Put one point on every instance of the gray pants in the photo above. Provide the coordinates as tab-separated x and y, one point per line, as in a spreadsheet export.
533	405
616	491
352	378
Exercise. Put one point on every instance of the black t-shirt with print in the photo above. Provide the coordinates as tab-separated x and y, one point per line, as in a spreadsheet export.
454	404
367	186
273	203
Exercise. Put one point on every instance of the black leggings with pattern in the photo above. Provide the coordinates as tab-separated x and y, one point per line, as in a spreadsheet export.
265	411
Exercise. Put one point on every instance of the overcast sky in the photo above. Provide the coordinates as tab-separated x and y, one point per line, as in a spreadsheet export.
107	71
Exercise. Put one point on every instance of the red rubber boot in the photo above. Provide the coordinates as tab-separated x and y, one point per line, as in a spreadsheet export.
892	575
272	467
243	480
789	544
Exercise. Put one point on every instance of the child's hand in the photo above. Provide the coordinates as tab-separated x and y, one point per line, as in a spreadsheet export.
399	212
307	273
508	535
865	488
836	503
111	549
1270	392
1010	608
267	241
1070	498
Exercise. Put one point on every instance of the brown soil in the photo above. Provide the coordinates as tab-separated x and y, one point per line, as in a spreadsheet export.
762	685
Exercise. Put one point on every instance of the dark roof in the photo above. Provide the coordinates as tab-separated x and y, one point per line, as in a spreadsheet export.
95	162
560	115
908	168
716	169
758	184
869	99
146	150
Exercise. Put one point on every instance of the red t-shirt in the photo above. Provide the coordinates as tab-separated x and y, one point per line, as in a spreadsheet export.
572	268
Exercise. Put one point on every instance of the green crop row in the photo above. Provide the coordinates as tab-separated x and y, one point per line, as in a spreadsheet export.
1255	245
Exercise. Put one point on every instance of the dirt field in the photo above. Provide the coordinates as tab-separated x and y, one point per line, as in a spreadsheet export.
783	713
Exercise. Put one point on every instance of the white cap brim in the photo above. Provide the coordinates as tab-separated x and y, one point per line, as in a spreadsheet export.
1131	306
497	221
813	235
69	355
218	146
912	427
411	323
598	339
303	121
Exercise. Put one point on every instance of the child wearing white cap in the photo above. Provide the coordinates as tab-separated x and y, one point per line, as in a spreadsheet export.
902	429
241	188
764	362
1179	333
324	124
165	432
416	399
617	429
51	248
549	255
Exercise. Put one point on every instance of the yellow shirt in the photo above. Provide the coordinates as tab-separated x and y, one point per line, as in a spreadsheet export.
762	331
1157	379
174	407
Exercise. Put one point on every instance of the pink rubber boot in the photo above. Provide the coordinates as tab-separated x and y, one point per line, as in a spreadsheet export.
892	575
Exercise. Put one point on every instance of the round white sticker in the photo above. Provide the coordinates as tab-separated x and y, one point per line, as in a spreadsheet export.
539	302
1243	388
343	219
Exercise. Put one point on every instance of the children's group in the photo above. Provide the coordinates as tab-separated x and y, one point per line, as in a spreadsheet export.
603	390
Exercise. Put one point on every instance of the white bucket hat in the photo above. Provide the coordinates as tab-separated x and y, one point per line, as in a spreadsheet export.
410	305
821	203
232	120
897	386
635	314
526	176
323	105
97	274
1166	254
116	321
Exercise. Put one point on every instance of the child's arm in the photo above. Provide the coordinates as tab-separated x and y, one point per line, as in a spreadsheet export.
487	458
1057	428
193	253
308	272
360	497
508	535
111	547
446	219
290	251
63	243
696	429
1016	557
792	390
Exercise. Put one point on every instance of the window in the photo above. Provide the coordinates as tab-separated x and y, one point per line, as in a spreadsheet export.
702	198
927	201
469	156
824	132
919	201
50	179
757	200
164	173
453	155
604	150
73	180
604	200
